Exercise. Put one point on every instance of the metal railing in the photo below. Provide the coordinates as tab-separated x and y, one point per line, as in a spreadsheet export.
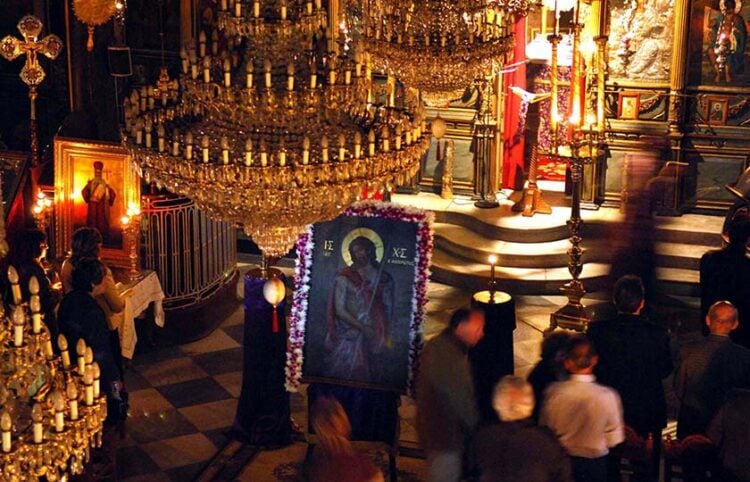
193	254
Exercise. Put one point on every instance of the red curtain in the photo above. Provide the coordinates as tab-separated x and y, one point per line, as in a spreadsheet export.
513	154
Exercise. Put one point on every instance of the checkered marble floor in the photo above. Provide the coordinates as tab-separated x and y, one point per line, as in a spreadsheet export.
183	398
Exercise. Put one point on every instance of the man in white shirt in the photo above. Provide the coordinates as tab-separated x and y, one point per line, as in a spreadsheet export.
586	416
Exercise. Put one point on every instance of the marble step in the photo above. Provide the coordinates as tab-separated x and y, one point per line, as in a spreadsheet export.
460	242
455	271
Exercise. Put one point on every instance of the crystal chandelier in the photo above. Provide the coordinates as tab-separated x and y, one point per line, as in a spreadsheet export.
437	47
269	126
52	412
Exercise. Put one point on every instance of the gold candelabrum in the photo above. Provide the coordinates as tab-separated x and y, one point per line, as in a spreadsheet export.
131	227
584	144
273	127
439	48
52	411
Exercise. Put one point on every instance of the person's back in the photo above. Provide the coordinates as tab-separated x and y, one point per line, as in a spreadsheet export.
516	449
730	431
709	370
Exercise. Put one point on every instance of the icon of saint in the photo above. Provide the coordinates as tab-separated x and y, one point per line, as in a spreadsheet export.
99	197
360	310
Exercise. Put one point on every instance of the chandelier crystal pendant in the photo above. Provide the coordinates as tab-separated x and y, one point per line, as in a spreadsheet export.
437	47
268	127
53	412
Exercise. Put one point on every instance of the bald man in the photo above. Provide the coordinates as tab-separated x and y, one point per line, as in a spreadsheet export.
709	369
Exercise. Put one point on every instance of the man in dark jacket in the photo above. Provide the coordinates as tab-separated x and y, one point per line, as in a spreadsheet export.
730	431
634	357
725	275
447	412
517	449
708	371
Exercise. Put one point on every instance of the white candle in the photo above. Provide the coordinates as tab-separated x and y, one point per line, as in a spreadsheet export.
224	150
202	43
59	410
15	287
223	5
227	73
160	132
36	315
204	147
309	7
386	140
357	145
332	77
238	9
72	393
176	142
347	77
97	379
249	74
5	425
62	344
305	150
36	417
88	381
398	138
249	152
188	146
267	70
81	351
342	145
18	320
283	11
263	157
290	77
324	148
371	144
282	158
256	9
207	69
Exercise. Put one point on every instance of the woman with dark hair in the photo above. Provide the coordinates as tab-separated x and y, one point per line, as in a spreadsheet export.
550	368
26	255
81	317
87	243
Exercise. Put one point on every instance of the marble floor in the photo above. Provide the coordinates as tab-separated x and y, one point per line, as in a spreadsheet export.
183	398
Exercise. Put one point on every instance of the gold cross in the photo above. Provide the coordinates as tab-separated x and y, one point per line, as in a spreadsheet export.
11	48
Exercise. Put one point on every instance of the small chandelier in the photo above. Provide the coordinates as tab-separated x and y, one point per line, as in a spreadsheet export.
52	412
437	47
269	127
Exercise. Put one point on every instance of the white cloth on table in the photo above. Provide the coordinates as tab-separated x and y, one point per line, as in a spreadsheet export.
137	298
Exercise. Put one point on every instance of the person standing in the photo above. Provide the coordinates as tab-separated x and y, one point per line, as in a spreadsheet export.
586	416
708	371
516	449
634	358
447	412
730	432
725	275
551	368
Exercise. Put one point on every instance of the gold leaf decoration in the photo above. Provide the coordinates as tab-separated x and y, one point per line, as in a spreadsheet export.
93	13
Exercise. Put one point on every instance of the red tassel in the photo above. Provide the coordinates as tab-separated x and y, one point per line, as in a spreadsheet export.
275	323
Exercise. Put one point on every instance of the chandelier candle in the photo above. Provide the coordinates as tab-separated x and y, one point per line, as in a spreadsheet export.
14	286
62	344
37	428
5	425
72	393
18	322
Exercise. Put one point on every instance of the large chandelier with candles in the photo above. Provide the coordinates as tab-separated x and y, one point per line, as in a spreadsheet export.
438	47
271	125
53	412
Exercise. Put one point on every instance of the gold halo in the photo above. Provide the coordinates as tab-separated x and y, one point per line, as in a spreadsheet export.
365	233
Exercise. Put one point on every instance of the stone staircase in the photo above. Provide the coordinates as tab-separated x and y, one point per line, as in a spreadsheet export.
532	252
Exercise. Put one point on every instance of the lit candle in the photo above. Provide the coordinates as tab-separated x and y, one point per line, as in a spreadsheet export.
324	148
151	97
249	152
80	352
18	319
256	9
283	10
202	43
342	145
398	137
184	59
88	357
72	393
332	76
386	139
188	145
59	403
160	133
62	344
164	96
305	150
37	417
88	382
408	137
371	143
149	124
249	67
227	72
318	4
207	69
48	352
204	147
5	426
176	142
97	372
309	7
144	97
348	76
193	65
36	315
267	71
238	9
357	145
282	156
15	287
224	150
313	76
263	154
290	77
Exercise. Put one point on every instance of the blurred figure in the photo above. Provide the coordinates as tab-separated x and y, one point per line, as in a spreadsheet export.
709	370
730	432
551	368
634	358
334	458
725	275
516	449
447	412
26	256
80	317
586	416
